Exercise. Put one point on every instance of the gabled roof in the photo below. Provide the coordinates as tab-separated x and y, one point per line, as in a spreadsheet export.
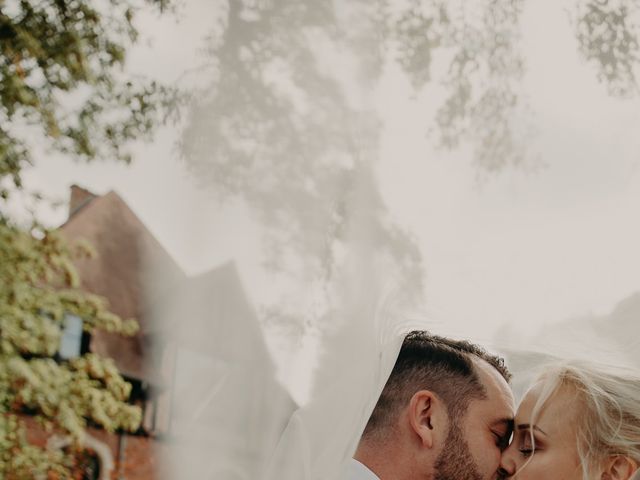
131	269
211	314
208	313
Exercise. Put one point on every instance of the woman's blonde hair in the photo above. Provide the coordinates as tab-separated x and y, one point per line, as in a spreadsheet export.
609	403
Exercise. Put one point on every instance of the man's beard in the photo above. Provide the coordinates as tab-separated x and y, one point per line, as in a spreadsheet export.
455	461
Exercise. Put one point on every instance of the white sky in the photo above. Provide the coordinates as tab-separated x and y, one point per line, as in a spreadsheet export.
523	248
526	247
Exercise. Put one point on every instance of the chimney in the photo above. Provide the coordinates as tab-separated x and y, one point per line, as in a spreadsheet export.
79	198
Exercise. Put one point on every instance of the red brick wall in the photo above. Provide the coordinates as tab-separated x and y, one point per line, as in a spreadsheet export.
140	458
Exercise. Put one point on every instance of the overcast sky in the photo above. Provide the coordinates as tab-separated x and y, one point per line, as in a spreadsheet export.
527	247
523	248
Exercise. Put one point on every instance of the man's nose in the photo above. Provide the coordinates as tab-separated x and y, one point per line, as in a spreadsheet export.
507	464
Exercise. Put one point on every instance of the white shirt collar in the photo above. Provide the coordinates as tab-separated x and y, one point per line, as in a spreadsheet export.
358	471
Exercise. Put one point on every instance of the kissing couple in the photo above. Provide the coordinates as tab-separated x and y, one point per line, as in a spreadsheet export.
447	413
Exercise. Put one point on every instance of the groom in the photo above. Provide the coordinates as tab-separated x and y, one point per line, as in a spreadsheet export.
446	413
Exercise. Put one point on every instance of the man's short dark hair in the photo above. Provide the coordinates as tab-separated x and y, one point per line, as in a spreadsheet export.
440	365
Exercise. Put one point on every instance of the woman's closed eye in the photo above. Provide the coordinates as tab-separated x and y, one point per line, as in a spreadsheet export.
526	452
527	444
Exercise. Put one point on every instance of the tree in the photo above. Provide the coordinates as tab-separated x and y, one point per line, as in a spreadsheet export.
278	127
62	83
38	289
62	87
607	34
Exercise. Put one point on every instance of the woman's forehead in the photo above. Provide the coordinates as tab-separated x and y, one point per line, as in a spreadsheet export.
560	408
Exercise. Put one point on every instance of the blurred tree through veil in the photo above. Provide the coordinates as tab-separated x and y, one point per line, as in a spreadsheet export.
276	128
287	122
607	33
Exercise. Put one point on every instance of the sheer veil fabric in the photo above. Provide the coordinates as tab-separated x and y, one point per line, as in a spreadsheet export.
320	130
235	421
321	436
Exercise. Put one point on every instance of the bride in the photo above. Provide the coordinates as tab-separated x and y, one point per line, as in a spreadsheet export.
577	422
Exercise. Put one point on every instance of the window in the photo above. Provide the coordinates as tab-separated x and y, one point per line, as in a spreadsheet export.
71	341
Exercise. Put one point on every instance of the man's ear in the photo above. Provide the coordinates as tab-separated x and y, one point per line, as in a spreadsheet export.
426	417
619	467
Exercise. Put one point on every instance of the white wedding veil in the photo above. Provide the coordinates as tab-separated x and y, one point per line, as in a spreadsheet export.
389	166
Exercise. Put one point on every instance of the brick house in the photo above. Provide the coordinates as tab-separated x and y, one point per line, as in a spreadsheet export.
198	359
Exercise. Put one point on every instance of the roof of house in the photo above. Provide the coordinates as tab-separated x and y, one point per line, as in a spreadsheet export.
211	314
208	313
131	269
